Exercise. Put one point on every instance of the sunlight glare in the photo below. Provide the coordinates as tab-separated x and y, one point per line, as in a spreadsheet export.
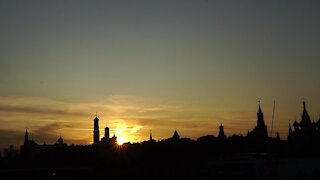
120	140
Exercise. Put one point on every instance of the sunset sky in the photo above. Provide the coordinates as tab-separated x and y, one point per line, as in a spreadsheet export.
163	65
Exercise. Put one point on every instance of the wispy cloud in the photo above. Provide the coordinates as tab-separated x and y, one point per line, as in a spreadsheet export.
37	110
129	116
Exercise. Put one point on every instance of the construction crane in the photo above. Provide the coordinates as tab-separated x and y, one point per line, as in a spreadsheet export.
274	108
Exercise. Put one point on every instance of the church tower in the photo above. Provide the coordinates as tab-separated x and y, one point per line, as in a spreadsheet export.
106	133
221	132
261	129
96	133
260	120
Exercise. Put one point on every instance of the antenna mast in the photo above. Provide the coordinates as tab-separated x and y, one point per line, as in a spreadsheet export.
274	106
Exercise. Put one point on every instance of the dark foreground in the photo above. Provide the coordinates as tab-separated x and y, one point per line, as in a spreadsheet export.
185	159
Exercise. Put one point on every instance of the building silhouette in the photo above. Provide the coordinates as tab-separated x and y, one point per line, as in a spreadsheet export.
221	132
26	138
60	141
175	136
10	152
113	139
106	133
150	138
221	157
27	142
104	140
305	132
96	133
260	131
31	148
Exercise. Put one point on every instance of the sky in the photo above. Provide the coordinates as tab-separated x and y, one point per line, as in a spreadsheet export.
188	65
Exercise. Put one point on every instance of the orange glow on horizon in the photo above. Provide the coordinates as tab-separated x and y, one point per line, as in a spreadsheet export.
120	140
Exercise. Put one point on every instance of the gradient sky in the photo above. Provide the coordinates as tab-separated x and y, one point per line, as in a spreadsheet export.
162	65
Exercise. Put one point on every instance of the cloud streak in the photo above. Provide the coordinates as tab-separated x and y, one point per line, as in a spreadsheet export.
129	116
32	110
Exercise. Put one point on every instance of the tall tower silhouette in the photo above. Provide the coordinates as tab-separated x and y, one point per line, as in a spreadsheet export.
106	133
221	132
26	138
261	129
96	133
260	122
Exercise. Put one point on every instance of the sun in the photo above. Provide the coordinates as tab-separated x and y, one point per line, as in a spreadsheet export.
120	140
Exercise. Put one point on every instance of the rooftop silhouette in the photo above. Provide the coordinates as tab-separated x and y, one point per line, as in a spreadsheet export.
175	157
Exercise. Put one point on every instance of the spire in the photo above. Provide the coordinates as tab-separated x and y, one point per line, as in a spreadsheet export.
304	109
261	130
150	135
260	120
26	137
259	110
305	119
175	135
96	118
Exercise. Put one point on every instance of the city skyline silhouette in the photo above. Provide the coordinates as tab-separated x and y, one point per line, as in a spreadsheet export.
267	132
162	89
259	130
154	65
221	156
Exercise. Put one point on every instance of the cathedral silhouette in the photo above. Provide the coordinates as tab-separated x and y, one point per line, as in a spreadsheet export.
306	133
96	134
261	130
